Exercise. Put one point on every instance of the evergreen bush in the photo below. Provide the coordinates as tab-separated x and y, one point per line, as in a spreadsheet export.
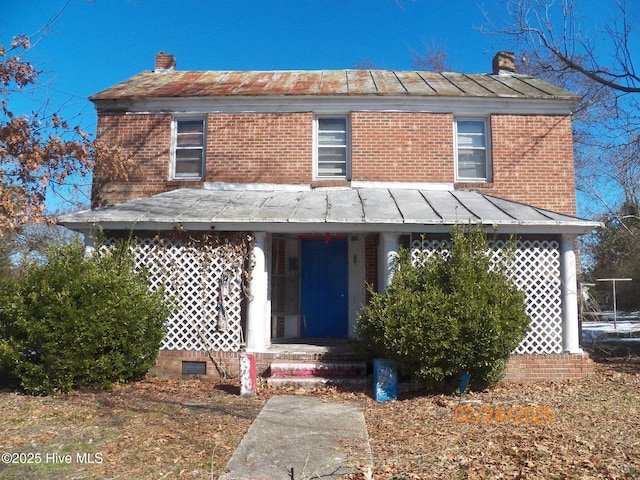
77	320
447	314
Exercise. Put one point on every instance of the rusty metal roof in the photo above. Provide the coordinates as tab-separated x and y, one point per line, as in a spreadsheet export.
325	210
194	84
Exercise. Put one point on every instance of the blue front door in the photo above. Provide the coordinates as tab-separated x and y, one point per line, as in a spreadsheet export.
323	287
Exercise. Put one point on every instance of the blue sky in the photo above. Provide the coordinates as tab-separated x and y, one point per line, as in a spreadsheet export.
94	44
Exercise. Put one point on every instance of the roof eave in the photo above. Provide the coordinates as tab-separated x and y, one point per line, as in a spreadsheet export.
332	103
512	228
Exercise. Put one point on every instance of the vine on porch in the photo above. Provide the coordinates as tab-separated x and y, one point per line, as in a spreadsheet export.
208	276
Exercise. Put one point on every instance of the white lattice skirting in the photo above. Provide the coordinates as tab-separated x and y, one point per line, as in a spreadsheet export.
536	271
205	280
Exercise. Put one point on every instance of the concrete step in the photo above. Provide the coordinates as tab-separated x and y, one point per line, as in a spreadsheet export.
314	373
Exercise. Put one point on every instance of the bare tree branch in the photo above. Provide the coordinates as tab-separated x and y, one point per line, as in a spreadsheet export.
433	59
552	27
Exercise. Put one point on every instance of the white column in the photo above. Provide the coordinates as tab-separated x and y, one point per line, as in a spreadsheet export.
89	244
387	253
257	314
568	267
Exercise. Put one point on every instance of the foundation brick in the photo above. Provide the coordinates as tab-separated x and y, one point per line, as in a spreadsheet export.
522	368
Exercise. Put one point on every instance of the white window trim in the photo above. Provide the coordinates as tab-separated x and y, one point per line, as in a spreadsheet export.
347	175
174	146
487	149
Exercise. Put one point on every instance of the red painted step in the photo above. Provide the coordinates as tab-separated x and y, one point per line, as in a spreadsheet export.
314	373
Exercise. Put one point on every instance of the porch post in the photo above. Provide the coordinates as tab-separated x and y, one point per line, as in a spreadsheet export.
389	246
569	286
89	243
257	318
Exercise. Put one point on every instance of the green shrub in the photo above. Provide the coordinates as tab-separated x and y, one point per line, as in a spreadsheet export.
446	315
78	320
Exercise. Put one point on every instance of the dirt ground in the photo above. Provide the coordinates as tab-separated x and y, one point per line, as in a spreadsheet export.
161	428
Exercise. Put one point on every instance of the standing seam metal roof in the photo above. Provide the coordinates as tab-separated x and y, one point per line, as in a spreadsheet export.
183	84
356	209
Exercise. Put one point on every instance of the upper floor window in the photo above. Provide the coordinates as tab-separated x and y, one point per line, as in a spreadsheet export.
472	150
332	147
188	148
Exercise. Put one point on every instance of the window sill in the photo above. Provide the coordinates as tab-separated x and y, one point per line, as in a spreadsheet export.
330	183
175	182
472	185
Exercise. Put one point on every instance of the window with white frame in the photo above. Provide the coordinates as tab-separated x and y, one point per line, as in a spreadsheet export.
188	148
472	150
332	147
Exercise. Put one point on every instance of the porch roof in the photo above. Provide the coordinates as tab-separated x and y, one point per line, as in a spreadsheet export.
330	210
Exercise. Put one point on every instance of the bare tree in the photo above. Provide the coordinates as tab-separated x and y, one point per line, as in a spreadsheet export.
593	58
432	59
595	61
551	31
366	64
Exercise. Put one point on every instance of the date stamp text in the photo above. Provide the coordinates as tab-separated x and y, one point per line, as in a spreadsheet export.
516	414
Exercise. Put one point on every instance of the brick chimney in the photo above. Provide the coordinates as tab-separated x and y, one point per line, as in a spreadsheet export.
165	62
504	63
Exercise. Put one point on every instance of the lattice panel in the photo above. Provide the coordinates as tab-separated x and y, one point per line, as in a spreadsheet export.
536	271
206	282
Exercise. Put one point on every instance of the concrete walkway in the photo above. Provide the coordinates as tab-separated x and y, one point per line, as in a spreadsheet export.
301	438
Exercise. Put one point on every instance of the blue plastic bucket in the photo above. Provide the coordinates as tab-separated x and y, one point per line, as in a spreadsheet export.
385	380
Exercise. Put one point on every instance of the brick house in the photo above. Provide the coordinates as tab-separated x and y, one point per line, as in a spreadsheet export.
266	201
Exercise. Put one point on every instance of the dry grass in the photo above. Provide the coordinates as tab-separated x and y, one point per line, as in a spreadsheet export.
161	428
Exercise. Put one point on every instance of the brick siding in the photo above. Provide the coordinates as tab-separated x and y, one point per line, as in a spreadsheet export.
402	147
531	154
533	161
146	139
260	148
371	259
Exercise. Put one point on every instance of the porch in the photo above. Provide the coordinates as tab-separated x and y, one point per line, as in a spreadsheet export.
233	286
296	361
310	358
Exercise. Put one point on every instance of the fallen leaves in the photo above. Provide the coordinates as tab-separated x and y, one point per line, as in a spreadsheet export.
594	434
157	428
169	428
